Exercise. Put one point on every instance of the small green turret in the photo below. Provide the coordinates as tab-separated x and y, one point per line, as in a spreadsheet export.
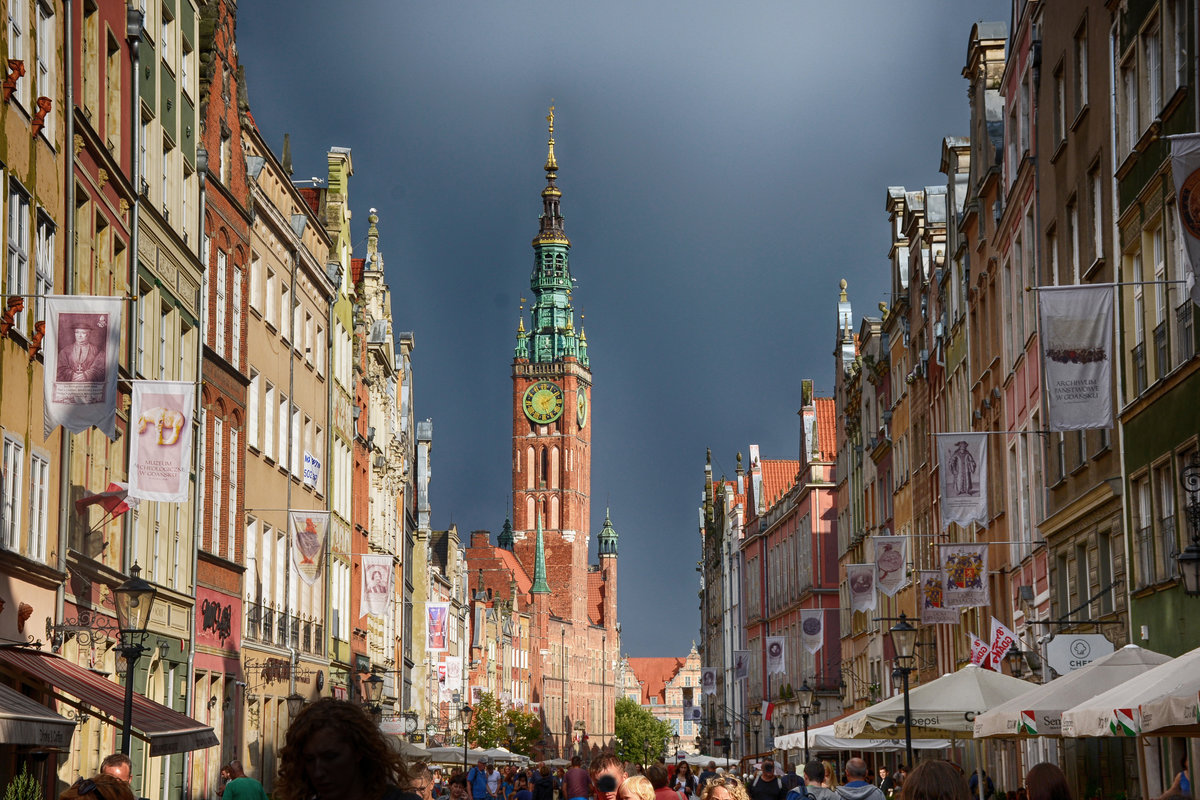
607	542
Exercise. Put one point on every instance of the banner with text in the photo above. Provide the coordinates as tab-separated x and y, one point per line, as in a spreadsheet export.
979	652
891	563
964	575
160	447
378	578
1185	169
775	655
309	531
812	629
861	580
81	349
963	461
933	612
1002	640
1077	334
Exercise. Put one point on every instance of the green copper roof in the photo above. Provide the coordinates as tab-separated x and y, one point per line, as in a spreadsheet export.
505	540
552	335
539	564
607	543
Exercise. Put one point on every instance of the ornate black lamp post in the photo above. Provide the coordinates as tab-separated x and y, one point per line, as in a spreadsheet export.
295	704
755	726
134	601
373	692
805	696
1189	559
904	641
465	712
511	730
675	744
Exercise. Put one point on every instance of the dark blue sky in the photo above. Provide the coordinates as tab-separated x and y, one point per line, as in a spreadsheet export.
723	165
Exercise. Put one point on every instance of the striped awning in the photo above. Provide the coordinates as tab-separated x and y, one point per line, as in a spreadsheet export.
166	730
23	720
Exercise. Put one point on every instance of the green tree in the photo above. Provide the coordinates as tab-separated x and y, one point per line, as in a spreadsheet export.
489	726
527	731
23	787
639	734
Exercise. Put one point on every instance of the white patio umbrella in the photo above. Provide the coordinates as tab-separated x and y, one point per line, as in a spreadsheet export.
941	709
824	738
1039	711
1162	701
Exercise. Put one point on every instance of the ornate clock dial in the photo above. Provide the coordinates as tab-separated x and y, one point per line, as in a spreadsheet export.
543	402
581	406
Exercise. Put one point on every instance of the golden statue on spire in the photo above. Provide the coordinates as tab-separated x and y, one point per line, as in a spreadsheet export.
551	163
550	118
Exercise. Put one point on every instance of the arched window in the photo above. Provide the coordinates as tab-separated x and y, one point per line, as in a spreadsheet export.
530	513
553	482
545	467
554	525
529	468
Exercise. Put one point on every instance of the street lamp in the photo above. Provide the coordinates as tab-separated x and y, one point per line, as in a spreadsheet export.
1014	657
755	727
675	744
134	601
511	730
465	712
805	696
1189	559
904	642
295	704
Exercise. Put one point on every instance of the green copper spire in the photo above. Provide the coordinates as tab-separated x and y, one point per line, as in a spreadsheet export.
505	540
539	564
552	335
608	537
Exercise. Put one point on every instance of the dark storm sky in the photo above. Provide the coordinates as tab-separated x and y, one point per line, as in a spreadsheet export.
722	166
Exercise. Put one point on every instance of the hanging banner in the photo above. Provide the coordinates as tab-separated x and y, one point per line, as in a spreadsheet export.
979	652
308	530
81	347
861	580
1185	169
708	679
963	460
933	612
812	629
1002	640
741	664
160	445
1076	334
437	616
891	562
378	579
964	575
454	671
775	655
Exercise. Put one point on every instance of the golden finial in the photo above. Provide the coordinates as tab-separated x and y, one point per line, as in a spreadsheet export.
550	117
842	297
551	163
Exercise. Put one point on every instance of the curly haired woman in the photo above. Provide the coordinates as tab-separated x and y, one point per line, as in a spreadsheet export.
335	751
724	787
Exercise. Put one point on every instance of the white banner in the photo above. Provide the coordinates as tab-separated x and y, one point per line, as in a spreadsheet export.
741	664
454	672
309	530
708	679
1002	640
933	612
891	563
775	655
962	470
437	618
812	628
964	575
979	652
312	469
1185	169
861	580
81	350
1077	335
378	579
160	444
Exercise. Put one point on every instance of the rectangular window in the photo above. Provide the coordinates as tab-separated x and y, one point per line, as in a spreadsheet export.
283	431
164	342
39	506
14	484
112	95
219	306
17	274
269	422
1129	104
185	69
1167	545
17	25
166	43
46	77
1143	534
297	461
285	311
1152	48
1082	579
217	489
226	159
1081	68
167	175
252	402
1105	567
1179	30
231	503
256	282
1052	252
297	326
235	321
1060	106
1073	239
1097	194
43	270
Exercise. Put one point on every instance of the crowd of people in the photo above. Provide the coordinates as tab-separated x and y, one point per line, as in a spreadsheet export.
335	751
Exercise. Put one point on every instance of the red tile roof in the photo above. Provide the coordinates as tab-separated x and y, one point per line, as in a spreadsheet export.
312	197
826	428
778	475
357	265
653	674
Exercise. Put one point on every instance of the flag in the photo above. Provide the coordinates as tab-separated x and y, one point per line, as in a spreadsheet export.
378	580
891	563
308	531
115	500
1002	639
708	679
1076	335
1125	722
81	350
160	445
964	575
979	652
962	477
812	629
437	617
861	580
933	612
1185	169
741	664
775	655
1027	723
768	708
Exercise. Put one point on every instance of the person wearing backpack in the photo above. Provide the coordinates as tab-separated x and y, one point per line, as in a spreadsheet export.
814	776
767	785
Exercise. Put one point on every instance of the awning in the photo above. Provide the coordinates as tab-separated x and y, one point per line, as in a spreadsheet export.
166	730
824	738
23	720
1162	701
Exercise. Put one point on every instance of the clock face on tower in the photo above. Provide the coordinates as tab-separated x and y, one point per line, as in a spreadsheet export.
581	406
543	402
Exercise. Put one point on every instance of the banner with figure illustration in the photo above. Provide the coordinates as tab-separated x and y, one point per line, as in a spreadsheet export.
80	347
437	618
1077	335
861	580
891	563
812	629
160	444
378	578
775	655
964	575
933	611
708	679
962	470
308	530
1185	169
741	664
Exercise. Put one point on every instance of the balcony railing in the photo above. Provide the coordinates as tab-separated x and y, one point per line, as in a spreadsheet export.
1139	368
1185	331
264	624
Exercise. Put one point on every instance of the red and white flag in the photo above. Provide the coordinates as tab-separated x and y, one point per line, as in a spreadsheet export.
979	652
768	708
1002	639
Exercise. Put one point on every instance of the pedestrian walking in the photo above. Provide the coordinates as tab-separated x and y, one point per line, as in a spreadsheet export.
477	780
1046	781
240	786
1182	785
608	776
766	784
724	787
118	765
636	788
934	780
101	787
814	778
577	783
856	786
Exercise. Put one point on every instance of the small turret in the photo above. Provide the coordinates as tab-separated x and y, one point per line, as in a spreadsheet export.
505	540
607	541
